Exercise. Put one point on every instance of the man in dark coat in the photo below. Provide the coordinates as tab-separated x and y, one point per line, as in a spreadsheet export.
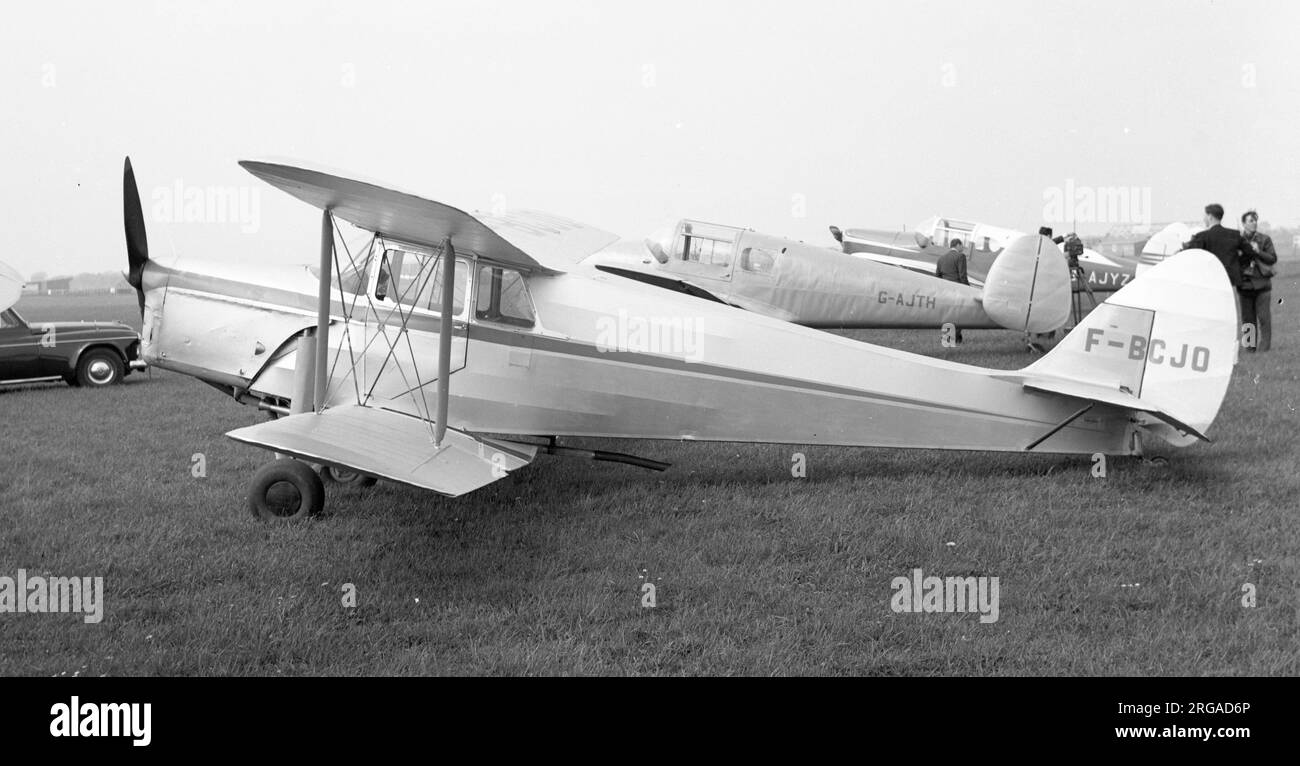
952	264
1256	289
1226	244
952	267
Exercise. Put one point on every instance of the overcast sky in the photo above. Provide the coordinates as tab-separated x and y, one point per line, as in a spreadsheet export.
784	117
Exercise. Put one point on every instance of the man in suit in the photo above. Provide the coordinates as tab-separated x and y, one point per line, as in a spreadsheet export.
1226	244
1257	282
952	267
952	264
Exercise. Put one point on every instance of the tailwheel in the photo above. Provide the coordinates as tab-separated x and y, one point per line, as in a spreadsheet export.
346	476
1155	461
285	491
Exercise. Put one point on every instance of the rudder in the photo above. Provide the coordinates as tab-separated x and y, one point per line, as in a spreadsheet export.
1168	338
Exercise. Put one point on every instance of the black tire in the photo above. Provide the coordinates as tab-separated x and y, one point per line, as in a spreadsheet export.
270	501
346	476
100	367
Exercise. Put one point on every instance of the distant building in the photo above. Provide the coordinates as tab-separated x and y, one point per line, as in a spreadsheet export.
87	284
54	286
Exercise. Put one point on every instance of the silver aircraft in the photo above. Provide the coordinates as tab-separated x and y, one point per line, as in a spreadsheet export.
1027	287
455	348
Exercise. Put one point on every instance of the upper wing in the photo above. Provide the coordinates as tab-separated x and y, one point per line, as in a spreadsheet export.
390	445
523	239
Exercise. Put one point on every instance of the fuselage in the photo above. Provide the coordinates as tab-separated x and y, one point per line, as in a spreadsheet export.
593	354
920	251
808	285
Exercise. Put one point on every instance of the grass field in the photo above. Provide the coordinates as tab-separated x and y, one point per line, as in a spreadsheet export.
756	572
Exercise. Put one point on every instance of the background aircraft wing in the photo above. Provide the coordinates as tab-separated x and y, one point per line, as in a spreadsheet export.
390	445
523	239
11	286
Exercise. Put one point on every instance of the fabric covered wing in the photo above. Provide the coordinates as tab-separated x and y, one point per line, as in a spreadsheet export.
524	239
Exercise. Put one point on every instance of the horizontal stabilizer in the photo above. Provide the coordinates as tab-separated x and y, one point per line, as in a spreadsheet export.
391	446
1102	395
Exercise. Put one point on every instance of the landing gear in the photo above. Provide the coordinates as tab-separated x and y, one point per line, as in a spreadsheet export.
1036	343
285	491
346	476
1146	460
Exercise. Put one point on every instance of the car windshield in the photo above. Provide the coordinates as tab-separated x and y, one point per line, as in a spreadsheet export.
10	318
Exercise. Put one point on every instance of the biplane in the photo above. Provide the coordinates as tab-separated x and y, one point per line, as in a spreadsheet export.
454	348
1025	288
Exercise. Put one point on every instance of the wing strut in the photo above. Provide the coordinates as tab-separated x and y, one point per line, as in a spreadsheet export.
1059	426
323	306
444	339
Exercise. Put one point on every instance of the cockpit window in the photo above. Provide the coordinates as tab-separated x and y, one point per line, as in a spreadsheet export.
757	260
414	279
704	243
9	318
503	297
353	280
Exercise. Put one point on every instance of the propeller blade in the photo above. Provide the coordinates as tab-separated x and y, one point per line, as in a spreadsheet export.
137	242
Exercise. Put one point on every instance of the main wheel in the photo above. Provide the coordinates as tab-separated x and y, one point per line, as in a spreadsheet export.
99	367
346	476
285	491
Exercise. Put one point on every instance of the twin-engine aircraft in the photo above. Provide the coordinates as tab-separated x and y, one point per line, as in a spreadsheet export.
1026	288
454	348
920	248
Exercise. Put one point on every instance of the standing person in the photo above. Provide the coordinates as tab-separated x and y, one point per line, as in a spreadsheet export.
952	264
1257	281
1226	244
952	267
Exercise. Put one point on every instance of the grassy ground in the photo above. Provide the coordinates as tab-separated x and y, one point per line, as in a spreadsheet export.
756	572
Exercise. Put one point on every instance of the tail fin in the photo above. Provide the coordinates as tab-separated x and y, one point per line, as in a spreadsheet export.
1164	344
1028	286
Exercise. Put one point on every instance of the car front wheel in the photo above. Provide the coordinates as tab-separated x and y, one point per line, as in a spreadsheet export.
99	367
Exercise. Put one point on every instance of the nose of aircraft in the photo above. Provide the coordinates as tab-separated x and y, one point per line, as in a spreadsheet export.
137	243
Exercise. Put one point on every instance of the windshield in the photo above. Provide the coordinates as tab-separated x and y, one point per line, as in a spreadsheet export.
10	318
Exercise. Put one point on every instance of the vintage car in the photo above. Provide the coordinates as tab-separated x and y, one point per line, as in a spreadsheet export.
81	353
